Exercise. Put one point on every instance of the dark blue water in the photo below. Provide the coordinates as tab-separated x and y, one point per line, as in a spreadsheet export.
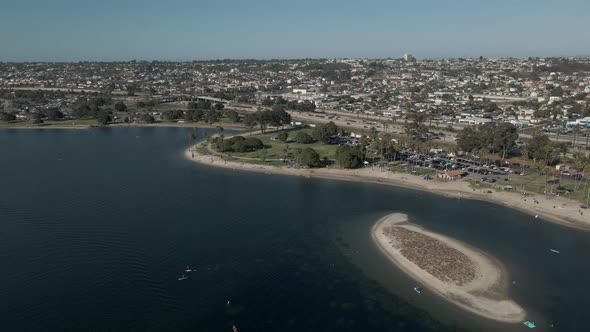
96	226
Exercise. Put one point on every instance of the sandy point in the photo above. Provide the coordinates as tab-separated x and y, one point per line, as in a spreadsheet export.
453	270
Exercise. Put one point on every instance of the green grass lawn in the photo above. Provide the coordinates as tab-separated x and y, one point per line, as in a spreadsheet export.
535	183
275	149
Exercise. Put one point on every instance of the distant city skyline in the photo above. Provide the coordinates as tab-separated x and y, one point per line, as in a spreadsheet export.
182	30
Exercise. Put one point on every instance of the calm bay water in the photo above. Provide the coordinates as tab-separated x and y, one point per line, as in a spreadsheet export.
96	226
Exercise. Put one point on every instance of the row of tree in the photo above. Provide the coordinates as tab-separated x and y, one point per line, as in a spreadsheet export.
205	105
237	144
294	105
544	151
491	137
276	118
501	139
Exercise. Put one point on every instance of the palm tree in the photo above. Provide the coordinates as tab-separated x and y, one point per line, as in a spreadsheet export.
576	132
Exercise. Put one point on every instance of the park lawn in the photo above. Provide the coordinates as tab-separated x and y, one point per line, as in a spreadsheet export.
275	149
535	183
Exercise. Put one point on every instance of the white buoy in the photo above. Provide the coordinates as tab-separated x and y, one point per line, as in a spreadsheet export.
536	216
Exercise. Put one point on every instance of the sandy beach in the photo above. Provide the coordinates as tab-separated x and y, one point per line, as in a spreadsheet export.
555	209
459	273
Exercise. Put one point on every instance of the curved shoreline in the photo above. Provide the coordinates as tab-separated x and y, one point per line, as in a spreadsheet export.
565	211
484	294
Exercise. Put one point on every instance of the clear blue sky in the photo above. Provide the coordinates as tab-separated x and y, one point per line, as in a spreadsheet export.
107	30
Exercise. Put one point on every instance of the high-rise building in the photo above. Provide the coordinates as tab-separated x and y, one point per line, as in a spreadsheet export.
409	57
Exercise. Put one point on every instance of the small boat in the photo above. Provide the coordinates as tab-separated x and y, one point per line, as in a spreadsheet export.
530	325
182	278
418	289
228	302
188	269
555	251
234	328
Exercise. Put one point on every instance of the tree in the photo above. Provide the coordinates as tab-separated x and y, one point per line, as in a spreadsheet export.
323	132
416	129
103	118
491	137
541	149
131	89
147	118
120	106
504	138
468	139
81	110
233	116
195	115
278	118
37	119
172	115
4	116
303	138
349	156
250	120
219	106
239	144
267	101
309	157
211	117
253	143
557	92
54	114
283	136
203	104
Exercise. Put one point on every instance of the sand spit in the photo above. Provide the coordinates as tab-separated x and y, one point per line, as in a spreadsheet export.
459	273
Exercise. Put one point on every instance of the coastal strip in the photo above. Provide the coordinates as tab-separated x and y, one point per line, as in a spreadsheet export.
453	270
555	209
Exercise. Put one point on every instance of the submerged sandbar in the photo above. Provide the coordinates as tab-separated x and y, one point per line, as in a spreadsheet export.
457	272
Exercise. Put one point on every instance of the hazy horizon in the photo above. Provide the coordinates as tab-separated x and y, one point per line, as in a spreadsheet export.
182	30
299	59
